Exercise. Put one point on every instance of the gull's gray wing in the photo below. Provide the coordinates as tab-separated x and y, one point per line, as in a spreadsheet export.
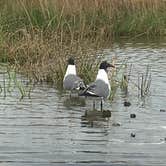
73	82
97	89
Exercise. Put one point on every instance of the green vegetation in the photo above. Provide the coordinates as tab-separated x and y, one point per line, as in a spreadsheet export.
37	36
11	83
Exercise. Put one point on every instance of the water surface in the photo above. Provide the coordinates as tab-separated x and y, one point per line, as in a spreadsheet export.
44	130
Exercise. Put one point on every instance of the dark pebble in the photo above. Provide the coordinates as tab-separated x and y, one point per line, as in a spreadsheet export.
132	115
116	124
106	113
127	104
162	110
163	139
132	134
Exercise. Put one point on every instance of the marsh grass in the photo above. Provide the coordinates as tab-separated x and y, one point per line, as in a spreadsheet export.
123	78
11	84
38	36
144	82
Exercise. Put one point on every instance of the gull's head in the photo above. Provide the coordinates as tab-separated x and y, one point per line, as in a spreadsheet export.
71	61
105	65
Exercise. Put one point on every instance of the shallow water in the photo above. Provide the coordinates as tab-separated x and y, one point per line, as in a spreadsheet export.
47	130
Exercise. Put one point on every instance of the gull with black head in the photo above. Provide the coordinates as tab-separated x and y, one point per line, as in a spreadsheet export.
100	88
71	81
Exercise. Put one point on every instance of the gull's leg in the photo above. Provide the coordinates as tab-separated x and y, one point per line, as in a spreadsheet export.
93	104
101	105
71	91
70	94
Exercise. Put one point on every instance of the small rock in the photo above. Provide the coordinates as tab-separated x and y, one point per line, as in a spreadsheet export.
163	139
132	115
127	104
116	124
162	110
132	134
106	113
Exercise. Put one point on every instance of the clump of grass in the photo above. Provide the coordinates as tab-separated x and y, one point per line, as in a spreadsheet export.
10	83
144	82
94	19
121	79
42	58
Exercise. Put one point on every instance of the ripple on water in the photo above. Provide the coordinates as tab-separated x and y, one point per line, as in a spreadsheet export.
49	129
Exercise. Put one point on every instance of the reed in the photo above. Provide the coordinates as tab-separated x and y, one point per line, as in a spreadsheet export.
11	84
88	18
144	82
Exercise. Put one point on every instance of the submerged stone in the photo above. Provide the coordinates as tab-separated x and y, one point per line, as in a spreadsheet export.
133	134
106	113
132	115
116	124
127	104
162	110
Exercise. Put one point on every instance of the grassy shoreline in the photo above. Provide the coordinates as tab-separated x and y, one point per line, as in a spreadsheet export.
37	36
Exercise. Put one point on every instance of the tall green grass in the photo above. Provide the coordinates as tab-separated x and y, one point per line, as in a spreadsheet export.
88	18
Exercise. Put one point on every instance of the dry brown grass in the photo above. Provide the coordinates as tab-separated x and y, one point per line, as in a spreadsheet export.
44	59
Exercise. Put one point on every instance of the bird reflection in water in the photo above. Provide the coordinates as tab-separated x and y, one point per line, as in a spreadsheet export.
74	101
94	118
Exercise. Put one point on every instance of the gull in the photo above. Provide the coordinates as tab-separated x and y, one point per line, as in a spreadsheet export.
100	88
71	81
